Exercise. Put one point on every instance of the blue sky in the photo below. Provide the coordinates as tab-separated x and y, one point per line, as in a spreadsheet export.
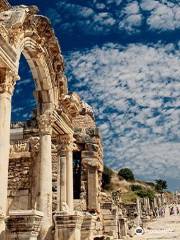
123	58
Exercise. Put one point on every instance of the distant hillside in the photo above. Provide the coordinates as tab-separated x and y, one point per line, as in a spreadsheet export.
130	190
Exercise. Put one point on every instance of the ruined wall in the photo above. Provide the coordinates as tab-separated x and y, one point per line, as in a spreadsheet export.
19	183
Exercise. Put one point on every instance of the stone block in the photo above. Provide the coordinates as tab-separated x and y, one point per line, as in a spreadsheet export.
68	227
23	223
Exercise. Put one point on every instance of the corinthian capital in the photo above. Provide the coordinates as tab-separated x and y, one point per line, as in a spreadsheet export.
66	142
45	122
7	81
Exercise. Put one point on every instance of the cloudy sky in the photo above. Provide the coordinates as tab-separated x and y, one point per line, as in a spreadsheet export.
123	58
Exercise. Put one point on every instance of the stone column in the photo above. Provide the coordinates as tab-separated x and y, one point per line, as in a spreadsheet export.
63	199
69	176
93	189
66	173
45	198
139	206
6	89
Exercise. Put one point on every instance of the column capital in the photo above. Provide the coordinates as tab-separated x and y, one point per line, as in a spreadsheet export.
65	142
45	122
7	80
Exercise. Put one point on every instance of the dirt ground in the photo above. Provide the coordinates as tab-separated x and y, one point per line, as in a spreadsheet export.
167	227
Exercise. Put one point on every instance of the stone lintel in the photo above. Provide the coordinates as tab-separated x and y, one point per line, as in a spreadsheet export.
16	155
26	213
61	125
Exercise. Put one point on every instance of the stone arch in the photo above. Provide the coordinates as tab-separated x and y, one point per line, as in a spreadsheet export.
32	35
22	31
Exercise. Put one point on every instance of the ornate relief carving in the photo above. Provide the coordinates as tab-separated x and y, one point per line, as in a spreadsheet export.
7	81
71	104
65	143
45	122
13	18
4	33
34	144
20	146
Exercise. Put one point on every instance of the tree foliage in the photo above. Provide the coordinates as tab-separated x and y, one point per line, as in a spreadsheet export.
160	185
135	187
126	173
143	192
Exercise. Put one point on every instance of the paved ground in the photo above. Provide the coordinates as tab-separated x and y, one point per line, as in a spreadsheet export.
163	228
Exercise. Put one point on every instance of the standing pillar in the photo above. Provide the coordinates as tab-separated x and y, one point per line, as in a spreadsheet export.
66	173
45	198
63	199
70	177
67	222
6	89
93	189
139	209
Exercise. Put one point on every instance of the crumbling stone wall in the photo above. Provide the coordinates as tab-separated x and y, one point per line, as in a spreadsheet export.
19	183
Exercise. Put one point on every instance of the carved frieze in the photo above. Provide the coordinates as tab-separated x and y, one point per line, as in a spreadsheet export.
20	146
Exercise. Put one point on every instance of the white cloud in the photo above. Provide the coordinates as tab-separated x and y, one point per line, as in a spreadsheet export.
132	8
135	91
149	5
111	16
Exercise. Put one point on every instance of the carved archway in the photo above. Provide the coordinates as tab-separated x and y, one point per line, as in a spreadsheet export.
26	33
22	31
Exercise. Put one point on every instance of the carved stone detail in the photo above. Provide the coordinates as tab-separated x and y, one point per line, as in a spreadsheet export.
20	146
7	81
65	143
34	144
45	122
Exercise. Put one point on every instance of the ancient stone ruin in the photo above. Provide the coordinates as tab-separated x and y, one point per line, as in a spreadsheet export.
50	166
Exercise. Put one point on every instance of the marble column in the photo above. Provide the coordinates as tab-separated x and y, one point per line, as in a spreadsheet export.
63	171
139	210
45	197
6	89
69	177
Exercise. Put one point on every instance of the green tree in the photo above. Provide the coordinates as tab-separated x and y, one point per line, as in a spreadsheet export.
146	193
106	177
126	173
160	185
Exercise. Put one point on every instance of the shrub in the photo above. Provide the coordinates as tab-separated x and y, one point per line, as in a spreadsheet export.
146	193
135	188
126	173
106	178
129	197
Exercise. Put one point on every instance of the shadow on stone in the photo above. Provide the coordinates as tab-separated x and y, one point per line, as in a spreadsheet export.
2	236
49	235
